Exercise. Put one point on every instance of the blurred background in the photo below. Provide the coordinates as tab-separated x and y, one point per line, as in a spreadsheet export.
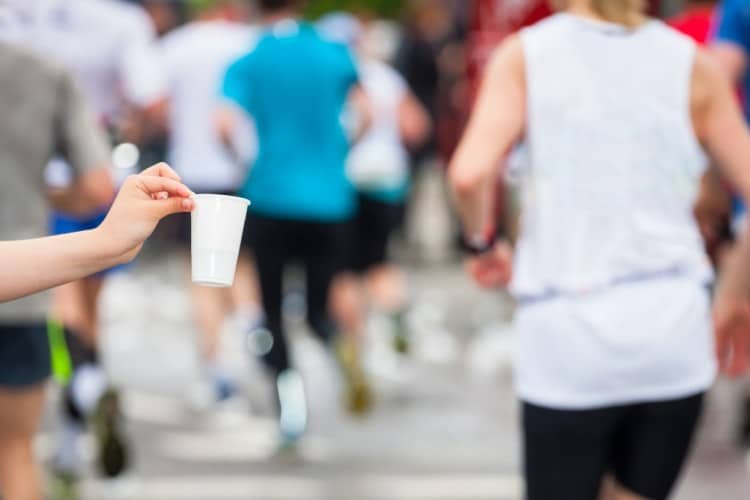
444	419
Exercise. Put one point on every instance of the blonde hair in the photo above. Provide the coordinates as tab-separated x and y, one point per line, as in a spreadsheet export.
627	12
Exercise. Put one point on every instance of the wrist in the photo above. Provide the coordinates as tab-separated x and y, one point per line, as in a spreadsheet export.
104	248
479	243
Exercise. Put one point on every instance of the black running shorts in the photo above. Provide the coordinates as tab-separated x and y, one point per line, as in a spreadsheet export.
372	228
643	446
24	355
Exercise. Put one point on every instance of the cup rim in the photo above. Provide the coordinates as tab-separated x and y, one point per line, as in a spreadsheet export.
229	197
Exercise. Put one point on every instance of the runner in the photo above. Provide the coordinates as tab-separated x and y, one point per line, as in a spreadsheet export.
107	45
732	48
195	58
295	84
44	114
378	165
614	347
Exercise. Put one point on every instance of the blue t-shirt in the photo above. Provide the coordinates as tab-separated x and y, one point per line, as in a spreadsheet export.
295	85
734	27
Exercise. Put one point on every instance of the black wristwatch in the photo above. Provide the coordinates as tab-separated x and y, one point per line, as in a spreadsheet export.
478	244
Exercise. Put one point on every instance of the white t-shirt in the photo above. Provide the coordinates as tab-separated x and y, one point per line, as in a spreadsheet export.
195	58
610	270
379	160
107	44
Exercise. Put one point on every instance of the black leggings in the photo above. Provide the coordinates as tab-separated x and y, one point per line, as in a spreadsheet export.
319	246
644	446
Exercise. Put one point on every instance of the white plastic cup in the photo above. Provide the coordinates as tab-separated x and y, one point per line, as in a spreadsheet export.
216	224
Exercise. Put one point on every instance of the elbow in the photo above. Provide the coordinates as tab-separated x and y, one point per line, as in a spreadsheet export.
464	182
103	197
97	189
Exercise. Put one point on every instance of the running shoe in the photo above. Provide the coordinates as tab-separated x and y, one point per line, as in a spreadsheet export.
113	457
224	389
292	407
358	394
64	486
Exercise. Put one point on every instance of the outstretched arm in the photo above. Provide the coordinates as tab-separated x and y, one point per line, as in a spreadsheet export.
30	266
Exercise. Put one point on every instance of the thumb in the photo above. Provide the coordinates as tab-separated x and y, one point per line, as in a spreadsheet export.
169	206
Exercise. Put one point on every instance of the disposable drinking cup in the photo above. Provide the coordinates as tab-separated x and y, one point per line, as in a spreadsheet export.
217	222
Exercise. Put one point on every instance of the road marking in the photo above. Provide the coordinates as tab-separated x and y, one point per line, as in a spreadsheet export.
287	487
256	442
153	408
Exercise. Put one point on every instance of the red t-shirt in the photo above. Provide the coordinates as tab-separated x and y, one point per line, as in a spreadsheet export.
695	22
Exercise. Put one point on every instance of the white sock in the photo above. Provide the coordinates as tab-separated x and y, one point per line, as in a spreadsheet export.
87	387
68	457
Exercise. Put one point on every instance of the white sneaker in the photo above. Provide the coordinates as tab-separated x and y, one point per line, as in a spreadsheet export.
293	418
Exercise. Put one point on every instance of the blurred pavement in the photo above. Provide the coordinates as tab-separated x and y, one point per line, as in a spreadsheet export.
445	427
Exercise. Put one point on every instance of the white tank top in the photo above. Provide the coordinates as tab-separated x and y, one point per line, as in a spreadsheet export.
379	161
610	268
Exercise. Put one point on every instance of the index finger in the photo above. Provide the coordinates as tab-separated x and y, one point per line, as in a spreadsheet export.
153	185
161	170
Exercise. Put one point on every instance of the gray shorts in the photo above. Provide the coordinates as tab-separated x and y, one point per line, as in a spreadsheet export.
24	355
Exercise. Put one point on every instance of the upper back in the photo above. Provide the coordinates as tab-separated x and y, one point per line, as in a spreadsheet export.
189	49
100	41
607	94
196	56
614	162
29	88
29	99
385	87
297	76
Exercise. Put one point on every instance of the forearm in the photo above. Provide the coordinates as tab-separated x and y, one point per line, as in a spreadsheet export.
735	271
30	266
475	204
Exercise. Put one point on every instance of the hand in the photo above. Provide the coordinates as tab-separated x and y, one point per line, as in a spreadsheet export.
732	332
142	202
494	268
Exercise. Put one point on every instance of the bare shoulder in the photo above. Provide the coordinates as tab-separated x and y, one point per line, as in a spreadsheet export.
508	60
708	77
509	52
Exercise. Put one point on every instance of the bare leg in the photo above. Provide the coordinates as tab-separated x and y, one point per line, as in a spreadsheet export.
210	306
348	305
613	491
246	292
20	412
389	292
387	286
91	289
76	305
67	306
